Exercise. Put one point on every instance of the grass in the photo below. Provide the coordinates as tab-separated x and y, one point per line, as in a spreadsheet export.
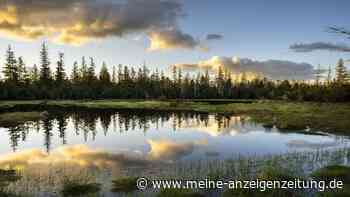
74	188
7	177
329	117
15	118
329	173
126	184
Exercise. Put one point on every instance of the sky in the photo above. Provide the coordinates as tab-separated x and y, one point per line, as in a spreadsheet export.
272	37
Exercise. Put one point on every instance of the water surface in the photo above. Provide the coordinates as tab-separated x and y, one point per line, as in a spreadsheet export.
166	136
102	145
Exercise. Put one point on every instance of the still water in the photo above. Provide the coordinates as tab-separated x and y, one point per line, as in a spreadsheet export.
166	136
98	146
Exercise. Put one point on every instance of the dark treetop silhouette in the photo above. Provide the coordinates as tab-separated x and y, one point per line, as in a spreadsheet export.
41	83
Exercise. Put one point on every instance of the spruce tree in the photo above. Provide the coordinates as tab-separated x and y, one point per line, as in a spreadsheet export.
34	75
91	71
83	70
104	74
45	71
60	74
10	69
21	69
318	75
114	75
75	77
341	72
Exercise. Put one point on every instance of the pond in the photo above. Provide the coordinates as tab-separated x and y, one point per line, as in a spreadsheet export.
124	140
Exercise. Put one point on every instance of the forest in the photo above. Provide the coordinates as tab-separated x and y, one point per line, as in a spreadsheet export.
21	82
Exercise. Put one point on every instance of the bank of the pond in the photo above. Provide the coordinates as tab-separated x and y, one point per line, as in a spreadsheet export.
329	117
9	119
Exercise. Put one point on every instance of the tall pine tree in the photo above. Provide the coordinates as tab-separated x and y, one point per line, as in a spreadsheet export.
60	74
45	71
10	70
340	72
91	71
104	74
75	77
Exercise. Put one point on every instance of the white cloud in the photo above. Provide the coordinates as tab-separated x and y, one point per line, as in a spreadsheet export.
274	69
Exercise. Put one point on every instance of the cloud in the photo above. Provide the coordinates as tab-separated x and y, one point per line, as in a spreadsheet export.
171	39
79	21
232	126
274	69
170	150
84	156
78	155
214	37
303	48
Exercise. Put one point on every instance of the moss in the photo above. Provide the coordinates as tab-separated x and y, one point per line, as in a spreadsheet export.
179	193
16	118
330	173
127	184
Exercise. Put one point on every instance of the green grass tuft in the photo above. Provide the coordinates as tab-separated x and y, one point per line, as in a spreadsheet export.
126	184
330	173
72	188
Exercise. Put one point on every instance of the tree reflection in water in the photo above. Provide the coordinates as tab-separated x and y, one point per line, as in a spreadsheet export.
86	122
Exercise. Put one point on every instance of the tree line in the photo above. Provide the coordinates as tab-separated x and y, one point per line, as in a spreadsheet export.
123	82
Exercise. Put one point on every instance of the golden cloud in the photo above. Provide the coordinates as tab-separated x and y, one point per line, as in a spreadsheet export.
274	69
170	150
78	155
171	39
84	156
79	21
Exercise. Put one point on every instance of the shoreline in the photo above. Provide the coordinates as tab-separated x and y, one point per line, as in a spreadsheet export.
327	117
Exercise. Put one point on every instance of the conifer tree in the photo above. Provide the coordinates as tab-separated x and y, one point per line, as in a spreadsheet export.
83	70
329	75
75	77
91	71
10	69
34	74
45	71
318	75
114	75
340	72
60	73
21	69
104	74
